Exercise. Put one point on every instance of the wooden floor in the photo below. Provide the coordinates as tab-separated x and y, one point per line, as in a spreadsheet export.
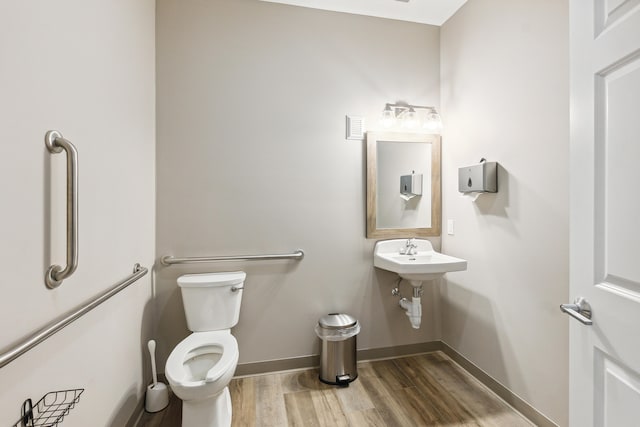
424	390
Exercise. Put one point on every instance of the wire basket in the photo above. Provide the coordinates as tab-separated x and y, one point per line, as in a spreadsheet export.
50	410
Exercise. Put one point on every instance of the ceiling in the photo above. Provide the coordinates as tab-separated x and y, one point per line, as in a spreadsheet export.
434	12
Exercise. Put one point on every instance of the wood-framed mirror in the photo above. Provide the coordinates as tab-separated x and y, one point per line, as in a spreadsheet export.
399	165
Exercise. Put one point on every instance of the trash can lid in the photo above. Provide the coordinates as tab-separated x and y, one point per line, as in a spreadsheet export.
337	321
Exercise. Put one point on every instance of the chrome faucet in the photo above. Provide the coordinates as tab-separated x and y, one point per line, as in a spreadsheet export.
410	248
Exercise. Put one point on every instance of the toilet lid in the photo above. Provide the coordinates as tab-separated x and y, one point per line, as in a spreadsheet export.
210	280
221	342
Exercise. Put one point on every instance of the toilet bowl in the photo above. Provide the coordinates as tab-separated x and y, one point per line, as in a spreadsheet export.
201	366
199	370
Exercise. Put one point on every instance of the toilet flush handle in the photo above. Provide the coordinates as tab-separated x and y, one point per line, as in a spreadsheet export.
236	288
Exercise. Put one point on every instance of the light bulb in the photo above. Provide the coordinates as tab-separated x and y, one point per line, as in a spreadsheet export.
388	117
433	122
410	119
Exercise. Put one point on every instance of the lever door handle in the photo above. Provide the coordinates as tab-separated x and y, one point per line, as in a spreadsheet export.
580	309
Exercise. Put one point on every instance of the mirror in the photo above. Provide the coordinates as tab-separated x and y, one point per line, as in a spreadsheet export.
403	185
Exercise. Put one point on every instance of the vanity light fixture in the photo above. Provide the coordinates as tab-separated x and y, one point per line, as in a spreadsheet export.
408	118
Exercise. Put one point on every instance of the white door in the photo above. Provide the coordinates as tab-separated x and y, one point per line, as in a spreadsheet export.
605	212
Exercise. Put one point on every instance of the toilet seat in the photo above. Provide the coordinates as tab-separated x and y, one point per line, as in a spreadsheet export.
201	344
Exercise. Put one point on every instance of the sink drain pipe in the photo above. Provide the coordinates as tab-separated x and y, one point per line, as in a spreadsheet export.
413	307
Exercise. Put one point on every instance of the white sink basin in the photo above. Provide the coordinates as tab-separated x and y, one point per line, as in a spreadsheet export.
426	264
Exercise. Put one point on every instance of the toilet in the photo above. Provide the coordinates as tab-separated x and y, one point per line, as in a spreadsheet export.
200	367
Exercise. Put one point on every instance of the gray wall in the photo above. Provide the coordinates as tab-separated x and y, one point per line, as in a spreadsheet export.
86	69
251	158
505	97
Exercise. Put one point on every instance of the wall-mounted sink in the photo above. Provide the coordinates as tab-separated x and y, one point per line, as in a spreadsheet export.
418	264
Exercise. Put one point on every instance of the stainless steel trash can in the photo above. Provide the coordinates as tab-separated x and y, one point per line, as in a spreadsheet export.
338	362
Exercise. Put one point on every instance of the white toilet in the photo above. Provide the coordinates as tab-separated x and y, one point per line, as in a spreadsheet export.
200	367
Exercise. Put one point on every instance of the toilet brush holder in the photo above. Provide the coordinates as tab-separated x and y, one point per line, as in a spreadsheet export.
157	397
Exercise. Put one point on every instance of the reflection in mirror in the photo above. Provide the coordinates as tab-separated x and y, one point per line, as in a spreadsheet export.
403	185
400	165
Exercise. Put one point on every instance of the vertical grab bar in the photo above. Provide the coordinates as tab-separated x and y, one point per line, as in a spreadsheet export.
56	144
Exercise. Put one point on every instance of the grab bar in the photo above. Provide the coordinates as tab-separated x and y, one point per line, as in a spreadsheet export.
17	350
56	144
167	260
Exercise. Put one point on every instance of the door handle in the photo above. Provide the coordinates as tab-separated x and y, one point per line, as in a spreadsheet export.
580	309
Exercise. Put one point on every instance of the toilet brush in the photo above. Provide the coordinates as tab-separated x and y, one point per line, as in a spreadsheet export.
157	397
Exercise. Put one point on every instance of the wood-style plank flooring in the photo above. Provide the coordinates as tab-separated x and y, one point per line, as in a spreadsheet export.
423	390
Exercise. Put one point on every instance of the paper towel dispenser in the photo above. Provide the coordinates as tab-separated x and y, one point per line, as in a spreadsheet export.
410	186
480	178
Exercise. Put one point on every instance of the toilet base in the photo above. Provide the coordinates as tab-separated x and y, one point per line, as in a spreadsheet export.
212	412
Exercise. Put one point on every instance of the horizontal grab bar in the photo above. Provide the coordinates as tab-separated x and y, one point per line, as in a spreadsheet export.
298	254
17	350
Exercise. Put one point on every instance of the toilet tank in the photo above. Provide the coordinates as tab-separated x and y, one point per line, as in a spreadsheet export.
212	300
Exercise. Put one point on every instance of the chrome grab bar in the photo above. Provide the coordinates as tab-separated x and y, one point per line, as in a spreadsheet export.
56	144
580	309
167	260
17	350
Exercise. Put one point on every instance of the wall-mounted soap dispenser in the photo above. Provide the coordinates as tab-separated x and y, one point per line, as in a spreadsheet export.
410	185
480	178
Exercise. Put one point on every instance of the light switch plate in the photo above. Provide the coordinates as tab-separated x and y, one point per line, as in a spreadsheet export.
450	227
